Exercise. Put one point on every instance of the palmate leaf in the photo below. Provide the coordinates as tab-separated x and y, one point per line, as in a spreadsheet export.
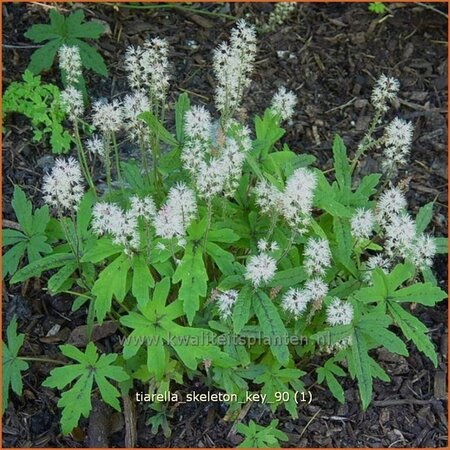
275	380
328	373
31	240
90	368
194	279
12	365
257	436
155	330
385	291
66	31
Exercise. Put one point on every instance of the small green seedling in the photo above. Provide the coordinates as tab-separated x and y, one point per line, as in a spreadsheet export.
31	239
257	436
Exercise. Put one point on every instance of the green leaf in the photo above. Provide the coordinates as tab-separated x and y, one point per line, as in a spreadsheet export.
12	365
424	217
22	208
365	189
341	165
76	401
332	335
194	279
42	59
288	277
414	330
344	244
36	268
112	282
11	237
59	278
102	248
267	133
89	30
12	257
423	293
441	245
361	361
271	325
37	245
158	128
90	57
41	218
241	309
142	280
225	235
182	105
223	259
39	33
375	326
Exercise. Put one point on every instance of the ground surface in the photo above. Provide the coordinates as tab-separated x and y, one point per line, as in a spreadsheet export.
330	55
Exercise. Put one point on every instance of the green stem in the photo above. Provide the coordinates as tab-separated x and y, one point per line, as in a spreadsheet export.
367	141
273	221
289	246
172	6
82	158
47	360
116	156
144	154
208	224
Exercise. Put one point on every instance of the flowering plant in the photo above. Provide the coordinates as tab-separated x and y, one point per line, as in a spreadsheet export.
222	253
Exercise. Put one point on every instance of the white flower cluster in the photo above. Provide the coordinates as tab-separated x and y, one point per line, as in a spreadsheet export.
362	223
265	246
70	63
372	263
63	186
71	97
109	218
401	239
339	312
225	303
260	269
147	68
72	102
177	213
283	103
107	116
295	301
214	158
134	105
170	221
96	146
232	65
294	203
278	16
384	92
317	257
143	207
397	141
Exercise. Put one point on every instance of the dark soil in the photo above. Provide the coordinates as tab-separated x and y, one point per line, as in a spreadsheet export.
330	54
